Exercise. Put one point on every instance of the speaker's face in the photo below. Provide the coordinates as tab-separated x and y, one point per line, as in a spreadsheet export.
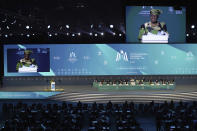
153	18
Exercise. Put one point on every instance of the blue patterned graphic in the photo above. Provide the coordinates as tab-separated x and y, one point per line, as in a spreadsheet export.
114	59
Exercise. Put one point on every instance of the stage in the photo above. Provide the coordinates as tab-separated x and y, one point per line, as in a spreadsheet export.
88	94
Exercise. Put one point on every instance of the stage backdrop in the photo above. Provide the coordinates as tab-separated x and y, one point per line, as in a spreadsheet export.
104	59
175	21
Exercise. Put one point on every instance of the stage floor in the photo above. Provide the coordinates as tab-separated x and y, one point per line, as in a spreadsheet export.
89	88
88	94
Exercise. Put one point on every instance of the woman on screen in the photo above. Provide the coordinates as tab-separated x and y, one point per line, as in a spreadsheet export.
27	63
153	27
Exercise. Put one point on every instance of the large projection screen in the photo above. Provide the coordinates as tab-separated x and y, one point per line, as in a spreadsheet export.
101	59
170	20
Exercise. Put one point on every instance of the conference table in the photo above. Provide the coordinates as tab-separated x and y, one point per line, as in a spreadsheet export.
134	86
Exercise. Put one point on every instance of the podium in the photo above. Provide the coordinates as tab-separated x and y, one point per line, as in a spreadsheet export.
52	86
152	38
30	69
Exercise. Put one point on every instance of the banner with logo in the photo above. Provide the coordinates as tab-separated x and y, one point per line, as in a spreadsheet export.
100	59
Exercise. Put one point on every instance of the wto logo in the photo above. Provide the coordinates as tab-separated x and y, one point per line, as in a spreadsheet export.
190	56
72	57
121	55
